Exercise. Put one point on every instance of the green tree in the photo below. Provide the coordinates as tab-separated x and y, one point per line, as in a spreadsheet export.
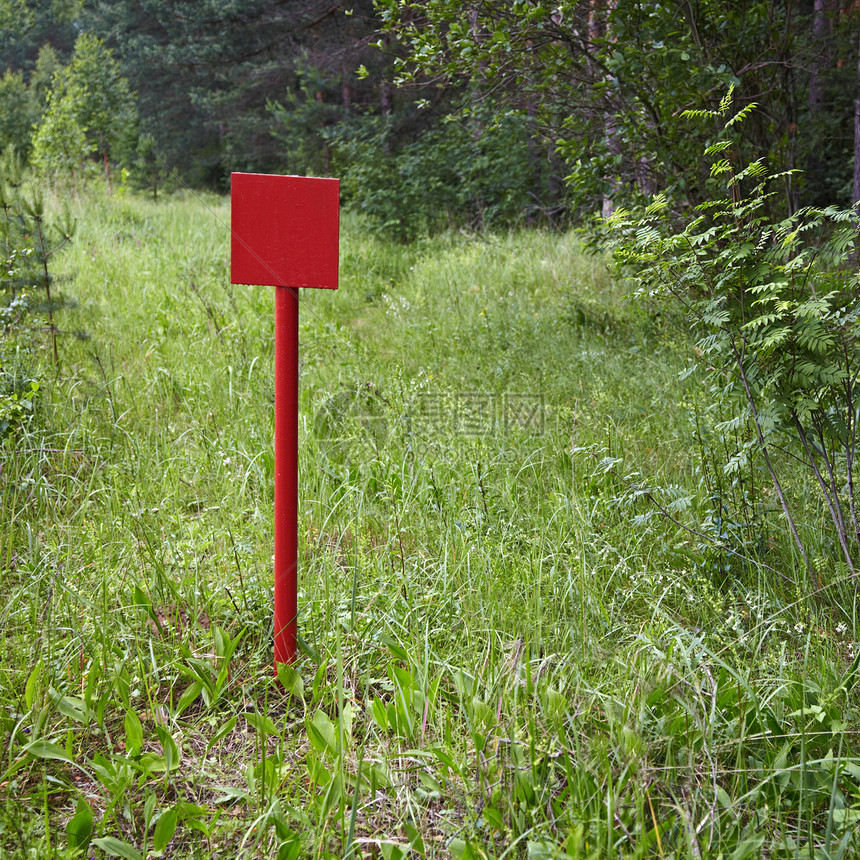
16	15
470	169
26	26
607	79
16	112
205	72
47	65
147	167
60	146
90	110
22	105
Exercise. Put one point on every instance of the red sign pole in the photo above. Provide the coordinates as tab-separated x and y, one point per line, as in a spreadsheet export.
286	472
285	234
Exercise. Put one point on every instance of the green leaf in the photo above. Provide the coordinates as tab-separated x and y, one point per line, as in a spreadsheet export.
80	827
458	849
545	851
116	848
70	706
380	716
262	723
148	809
191	693
45	749
222	732
321	732
291	680
493	817
32	684
133	733
395	648
149	764
416	843
172	756
392	850
165	827
140	598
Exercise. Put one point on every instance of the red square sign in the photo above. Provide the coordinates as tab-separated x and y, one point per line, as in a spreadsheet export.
284	230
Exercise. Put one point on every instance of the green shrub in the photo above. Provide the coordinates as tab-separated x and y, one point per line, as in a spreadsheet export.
464	171
775	307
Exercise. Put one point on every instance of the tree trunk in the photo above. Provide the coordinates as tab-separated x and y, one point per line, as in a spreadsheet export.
107	164
345	88
820	58
597	29
855	197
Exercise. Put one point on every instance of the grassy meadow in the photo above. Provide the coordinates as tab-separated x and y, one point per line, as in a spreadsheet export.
539	618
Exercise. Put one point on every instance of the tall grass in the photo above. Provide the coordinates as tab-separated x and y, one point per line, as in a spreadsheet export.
505	653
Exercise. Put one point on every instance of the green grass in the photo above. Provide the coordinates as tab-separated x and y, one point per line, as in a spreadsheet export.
507	654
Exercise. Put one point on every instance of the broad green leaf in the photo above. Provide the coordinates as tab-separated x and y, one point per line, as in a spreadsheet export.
148	809
45	749
191	693
545	851
458	848
290	849
172	755
140	598
393	850
261	723
80	827
395	648
321	732
380	716
165	827
150	763
492	815
70	706
116	848
133	733
291	680
32	684
416	843
201	826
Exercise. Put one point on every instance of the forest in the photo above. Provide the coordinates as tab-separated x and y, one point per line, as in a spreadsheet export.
437	114
578	532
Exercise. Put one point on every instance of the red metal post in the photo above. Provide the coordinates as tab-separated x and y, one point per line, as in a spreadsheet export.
286	471
285	234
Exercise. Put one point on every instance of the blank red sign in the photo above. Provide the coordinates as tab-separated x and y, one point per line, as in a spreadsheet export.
285	230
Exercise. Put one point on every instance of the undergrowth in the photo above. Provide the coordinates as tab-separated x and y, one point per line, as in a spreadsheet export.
527	630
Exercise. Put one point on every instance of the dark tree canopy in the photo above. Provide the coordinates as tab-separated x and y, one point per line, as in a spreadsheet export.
462	111
207	72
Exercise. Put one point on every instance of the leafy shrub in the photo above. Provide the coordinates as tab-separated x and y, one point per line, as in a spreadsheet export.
775	307
464	171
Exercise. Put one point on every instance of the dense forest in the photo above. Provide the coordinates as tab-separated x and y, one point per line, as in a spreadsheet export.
437	113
